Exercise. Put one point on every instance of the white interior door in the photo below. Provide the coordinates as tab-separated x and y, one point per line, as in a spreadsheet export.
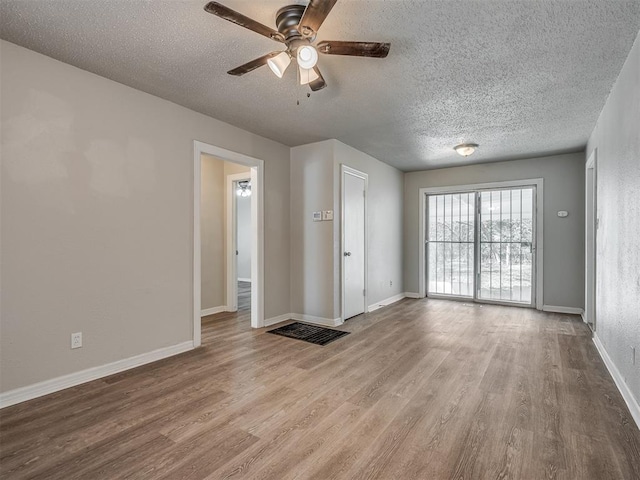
354	243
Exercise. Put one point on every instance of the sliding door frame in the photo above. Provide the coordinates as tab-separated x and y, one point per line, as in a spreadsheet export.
538	183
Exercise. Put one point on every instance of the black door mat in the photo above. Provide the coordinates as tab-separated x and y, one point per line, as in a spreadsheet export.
309	333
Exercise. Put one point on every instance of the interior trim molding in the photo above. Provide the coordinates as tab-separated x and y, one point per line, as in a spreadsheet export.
46	387
629	399
301	317
214	310
559	309
386	302
412	295
279	319
327	322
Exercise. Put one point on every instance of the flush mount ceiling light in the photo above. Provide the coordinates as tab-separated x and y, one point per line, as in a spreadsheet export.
466	149
244	189
279	63
297	29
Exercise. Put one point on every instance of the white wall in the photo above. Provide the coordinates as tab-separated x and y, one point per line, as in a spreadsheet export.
617	140
563	237
97	218
244	237
315	261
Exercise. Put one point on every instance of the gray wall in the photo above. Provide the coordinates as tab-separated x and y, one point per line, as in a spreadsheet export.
97	218
213	227
212	233
384	222
312	244
315	261
563	237
617	140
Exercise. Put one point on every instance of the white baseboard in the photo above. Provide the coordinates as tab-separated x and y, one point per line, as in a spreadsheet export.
214	310
300	317
327	322
557	309
71	380
280	318
244	280
412	295
385	302
629	399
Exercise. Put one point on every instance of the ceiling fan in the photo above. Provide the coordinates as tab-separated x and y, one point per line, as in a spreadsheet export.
297	29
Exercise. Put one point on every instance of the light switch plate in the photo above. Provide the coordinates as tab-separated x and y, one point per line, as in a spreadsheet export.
317	216
327	215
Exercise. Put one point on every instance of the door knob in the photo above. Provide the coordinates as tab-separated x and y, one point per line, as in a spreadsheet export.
347	254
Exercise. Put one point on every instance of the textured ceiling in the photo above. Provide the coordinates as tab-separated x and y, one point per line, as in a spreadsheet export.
520	77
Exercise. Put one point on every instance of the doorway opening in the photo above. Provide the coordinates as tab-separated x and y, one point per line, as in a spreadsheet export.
252	169
483	243
591	230
240	240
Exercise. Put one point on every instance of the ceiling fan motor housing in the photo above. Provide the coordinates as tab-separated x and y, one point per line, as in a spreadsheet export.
287	20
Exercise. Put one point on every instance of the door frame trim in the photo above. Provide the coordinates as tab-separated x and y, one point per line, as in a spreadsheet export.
257	230
346	170
537	182
590	293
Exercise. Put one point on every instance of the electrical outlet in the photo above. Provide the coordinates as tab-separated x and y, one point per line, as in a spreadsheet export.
391	283
76	340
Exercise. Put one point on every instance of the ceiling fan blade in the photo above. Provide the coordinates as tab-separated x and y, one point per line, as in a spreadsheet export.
318	83
358	49
314	15
252	65
234	17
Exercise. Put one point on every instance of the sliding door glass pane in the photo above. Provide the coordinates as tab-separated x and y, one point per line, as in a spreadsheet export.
450	237
506	245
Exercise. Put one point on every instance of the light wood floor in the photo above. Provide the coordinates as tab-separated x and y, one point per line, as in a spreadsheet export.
423	389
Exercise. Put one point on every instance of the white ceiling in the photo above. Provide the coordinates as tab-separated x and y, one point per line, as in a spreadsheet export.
522	78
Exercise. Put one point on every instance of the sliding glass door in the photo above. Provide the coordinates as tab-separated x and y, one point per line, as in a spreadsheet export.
450	245
481	245
507	248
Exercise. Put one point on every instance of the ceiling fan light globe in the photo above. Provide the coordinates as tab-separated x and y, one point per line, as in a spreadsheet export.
279	63
307	57
308	75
